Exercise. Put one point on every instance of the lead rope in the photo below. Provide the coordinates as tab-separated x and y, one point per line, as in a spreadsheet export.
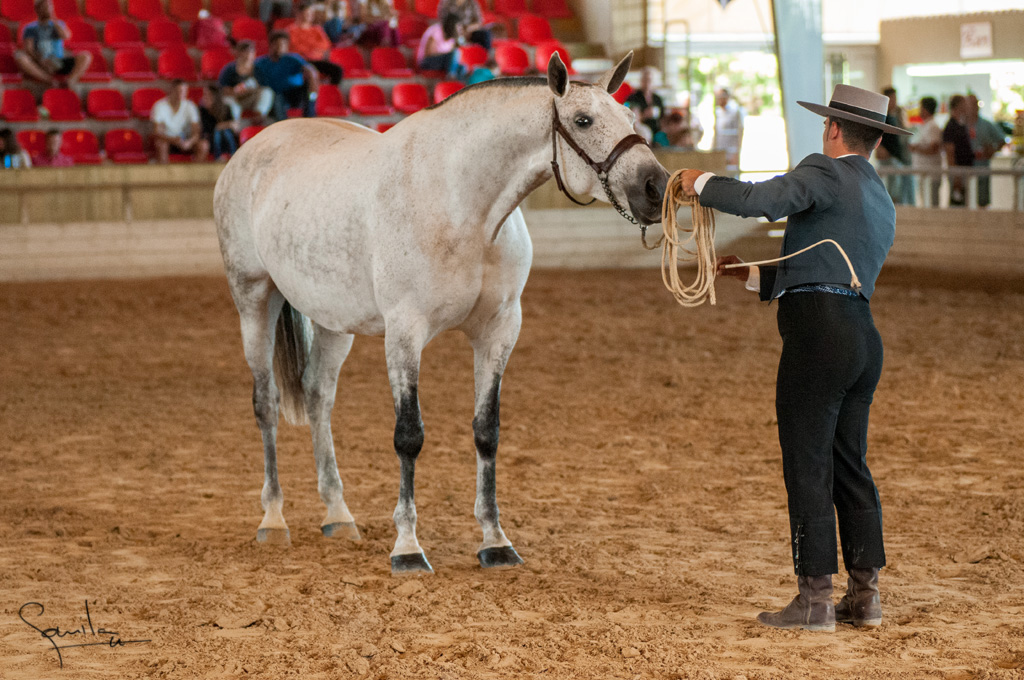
702	236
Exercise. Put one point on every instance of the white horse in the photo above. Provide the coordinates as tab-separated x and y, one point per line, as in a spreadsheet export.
407	234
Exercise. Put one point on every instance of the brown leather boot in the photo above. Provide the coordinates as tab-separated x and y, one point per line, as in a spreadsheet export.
812	609
861	605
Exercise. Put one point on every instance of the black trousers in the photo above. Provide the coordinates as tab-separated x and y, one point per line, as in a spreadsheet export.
831	362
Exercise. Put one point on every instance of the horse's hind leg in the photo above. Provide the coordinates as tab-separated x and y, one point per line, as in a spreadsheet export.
259	305
403	355
491	349
320	384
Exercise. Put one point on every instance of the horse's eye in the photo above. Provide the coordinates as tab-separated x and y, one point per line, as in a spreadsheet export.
583	122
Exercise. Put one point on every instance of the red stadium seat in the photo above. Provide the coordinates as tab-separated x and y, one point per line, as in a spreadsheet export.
106	104
146	10
472	55
330	103
19	106
411	28
384	127
66	9
17	10
7	43
83	35
125	146
9	71
248	28
133	65
445	89
32	141
119	34
510	8
63	105
164	33
228	10
350	59
143	100
427	8
369	100
185	10
551	9
176	63
282	23
512	59
248	133
213	62
408	98
102	10
622	94
534	30
81	145
389	62
544	52
98	71
195	94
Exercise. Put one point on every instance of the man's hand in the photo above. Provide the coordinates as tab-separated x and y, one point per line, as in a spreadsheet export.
742	273
689	177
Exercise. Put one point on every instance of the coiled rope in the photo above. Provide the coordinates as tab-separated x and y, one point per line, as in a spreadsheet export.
702	237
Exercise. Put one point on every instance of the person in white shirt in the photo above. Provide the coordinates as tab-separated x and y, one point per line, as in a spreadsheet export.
176	126
728	127
926	152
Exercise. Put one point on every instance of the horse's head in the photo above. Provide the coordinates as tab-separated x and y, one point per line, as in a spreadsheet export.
598	151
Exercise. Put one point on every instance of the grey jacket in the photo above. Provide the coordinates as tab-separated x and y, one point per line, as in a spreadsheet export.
838	198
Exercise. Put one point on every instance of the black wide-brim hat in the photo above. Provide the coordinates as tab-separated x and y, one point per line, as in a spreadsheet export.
859	105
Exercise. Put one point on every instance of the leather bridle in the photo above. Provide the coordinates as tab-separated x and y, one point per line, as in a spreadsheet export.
601	168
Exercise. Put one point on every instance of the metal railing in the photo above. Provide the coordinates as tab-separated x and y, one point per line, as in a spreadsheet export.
930	182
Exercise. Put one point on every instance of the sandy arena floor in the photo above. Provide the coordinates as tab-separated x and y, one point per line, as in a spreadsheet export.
639	477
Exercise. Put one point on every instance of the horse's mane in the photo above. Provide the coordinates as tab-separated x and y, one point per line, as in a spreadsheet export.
505	81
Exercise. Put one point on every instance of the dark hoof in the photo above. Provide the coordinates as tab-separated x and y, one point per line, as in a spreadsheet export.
410	564
274	537
499	557
341	530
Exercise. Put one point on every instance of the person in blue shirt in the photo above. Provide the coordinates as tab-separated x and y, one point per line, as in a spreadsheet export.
42	56
294	80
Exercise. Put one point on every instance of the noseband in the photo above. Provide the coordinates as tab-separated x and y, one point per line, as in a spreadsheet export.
601	169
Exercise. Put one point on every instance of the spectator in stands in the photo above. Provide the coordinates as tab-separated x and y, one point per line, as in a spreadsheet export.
218	117
488	71
893	153
438	49
310	42
274	9
729	117
378	22
293	80
42	56
956	139
339	28
239	80
176	125
208	31
645	101
986	141
470	18
926	152
11	152
52	156
675	132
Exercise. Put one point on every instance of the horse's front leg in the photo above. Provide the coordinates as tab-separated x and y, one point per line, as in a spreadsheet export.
491	349
403	357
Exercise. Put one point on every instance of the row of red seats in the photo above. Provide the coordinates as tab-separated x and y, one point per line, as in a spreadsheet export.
229	10
106	104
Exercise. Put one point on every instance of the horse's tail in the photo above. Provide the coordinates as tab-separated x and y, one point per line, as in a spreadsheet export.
291	351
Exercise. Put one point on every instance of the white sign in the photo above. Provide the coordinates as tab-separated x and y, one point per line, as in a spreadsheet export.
976	40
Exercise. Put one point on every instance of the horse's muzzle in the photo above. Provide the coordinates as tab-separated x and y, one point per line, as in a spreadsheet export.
646	195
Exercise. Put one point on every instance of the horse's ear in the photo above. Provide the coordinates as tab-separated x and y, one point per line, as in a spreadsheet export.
612	80
558	75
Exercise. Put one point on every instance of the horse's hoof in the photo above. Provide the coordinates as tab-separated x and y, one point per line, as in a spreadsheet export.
272	536
505	556
341	530
410	564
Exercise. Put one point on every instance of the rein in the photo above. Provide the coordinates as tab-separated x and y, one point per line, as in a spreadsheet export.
601	168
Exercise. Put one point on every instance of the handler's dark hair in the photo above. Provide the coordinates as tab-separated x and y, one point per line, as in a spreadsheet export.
857	136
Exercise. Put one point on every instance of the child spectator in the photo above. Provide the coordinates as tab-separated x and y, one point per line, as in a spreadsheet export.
470	19
176	127
219	120
13	155
339	28
310	42
42	56
379	21
674	132
438	49
52	156
238	80
208	31
294	82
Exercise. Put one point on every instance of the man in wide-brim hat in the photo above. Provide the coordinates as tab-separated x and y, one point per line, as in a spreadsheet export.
831	352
